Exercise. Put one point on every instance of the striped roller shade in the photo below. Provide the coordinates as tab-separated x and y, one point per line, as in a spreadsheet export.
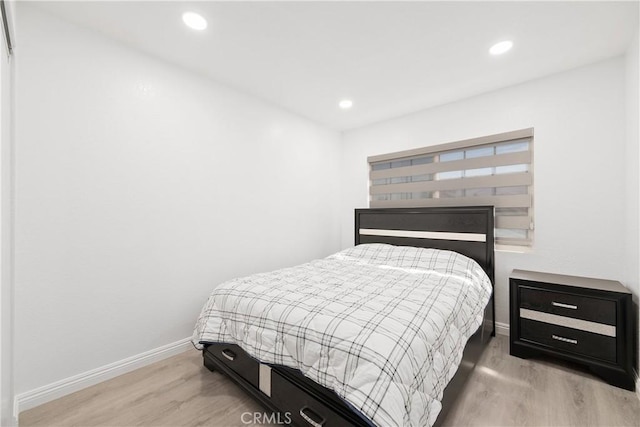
493	170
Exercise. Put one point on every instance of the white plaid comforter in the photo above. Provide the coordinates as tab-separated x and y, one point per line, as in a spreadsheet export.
382	326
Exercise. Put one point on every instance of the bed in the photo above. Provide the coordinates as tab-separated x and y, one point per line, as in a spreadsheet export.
363	337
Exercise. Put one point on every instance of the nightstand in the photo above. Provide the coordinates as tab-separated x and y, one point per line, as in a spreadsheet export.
588	321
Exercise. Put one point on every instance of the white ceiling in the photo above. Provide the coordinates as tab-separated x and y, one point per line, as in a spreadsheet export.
391	58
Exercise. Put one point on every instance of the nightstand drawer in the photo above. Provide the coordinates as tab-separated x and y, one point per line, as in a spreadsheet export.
570	305
571	340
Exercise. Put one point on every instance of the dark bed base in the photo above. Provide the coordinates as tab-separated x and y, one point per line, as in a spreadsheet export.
293	393
300	401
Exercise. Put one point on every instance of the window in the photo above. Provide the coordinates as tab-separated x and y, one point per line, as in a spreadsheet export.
493	170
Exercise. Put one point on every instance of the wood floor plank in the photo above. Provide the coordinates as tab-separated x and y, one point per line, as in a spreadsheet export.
507	391
502	391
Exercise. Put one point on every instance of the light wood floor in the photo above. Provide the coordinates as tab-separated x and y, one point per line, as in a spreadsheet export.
503	391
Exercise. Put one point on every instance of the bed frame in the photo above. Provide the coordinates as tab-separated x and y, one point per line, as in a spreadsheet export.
293	398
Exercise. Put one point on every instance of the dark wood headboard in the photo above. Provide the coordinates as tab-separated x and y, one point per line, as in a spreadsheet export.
466	230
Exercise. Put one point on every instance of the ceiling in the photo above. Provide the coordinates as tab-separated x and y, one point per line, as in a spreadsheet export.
390	58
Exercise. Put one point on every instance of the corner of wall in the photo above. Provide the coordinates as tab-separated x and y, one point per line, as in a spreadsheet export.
8	416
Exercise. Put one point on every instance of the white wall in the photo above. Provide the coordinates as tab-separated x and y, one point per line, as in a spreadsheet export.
6	259
139	187
579	166
632	237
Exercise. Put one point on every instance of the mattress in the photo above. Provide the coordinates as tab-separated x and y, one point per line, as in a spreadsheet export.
382	326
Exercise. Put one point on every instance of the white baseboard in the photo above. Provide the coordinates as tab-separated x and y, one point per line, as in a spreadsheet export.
47	393
502	328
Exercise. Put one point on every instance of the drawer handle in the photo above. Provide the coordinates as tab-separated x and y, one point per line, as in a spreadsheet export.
228	354
308	419
563	305
563	339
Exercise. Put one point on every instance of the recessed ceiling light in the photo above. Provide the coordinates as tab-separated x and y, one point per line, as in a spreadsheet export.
194	21
345	104
500	48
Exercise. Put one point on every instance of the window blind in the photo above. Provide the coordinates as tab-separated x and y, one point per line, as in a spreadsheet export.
493	170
